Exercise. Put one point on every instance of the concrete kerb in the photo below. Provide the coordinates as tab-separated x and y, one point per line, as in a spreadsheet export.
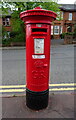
24	94
12	48
24	47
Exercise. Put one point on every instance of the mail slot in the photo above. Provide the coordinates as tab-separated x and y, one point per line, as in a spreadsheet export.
38	28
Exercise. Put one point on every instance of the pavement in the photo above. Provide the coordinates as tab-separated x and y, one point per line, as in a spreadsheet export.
57	41
61	105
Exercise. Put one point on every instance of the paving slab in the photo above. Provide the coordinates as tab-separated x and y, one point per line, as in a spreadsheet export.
61	105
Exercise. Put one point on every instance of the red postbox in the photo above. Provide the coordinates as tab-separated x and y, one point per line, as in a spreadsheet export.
38	29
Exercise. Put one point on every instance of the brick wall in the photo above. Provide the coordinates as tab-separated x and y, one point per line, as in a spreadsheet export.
66	22
0	21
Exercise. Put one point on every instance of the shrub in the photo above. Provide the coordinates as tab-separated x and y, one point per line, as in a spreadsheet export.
13	34
63	34
6	42
20	37
67	33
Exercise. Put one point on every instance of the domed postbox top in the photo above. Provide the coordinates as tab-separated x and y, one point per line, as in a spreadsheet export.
37	14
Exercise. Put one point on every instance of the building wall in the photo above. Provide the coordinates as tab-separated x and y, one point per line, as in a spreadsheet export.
65	23
74	15
0	20
8	28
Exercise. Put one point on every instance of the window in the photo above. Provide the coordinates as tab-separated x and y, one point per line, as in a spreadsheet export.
70	16
6	21
56	29
69	28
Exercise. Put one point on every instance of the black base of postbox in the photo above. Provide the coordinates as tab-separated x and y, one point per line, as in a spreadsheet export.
37	100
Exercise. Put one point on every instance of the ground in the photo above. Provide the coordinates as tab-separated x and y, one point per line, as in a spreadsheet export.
61	99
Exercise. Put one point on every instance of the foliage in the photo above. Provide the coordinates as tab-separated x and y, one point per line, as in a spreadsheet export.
21	6
3	29
18	29
67	33
14	37
6	42
17	24
5	37
20	37
4	33
13	34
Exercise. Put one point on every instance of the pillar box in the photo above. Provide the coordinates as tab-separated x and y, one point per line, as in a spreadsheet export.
38	30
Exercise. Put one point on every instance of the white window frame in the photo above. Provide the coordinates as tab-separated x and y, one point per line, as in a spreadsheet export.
61	27
6	21
70	16
52	30
56	27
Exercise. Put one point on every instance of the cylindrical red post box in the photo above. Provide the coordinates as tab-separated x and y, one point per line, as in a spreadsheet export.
38	29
